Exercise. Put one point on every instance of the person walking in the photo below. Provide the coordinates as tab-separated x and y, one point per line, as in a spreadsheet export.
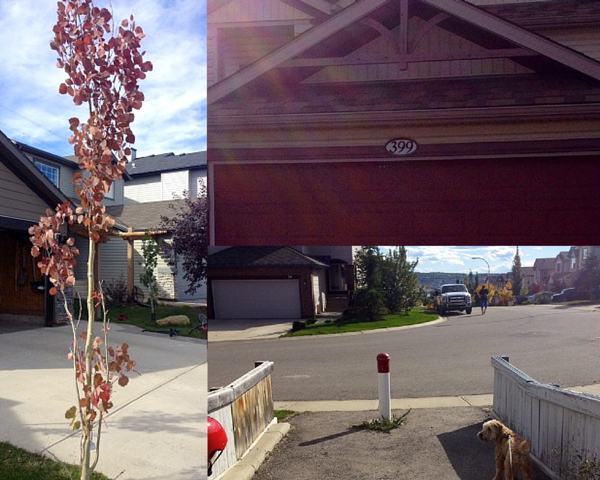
483	298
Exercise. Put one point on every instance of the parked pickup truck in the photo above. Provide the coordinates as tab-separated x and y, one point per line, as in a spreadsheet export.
453	298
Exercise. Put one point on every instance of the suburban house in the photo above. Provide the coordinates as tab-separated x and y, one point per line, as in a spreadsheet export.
544	268
154	185
119	254
279	282
25	194
368	121
528	274
165	177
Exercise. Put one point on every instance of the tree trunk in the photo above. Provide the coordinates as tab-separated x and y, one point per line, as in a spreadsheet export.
86	471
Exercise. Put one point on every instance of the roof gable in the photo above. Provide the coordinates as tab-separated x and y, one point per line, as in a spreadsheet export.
239	257
520	42
23	168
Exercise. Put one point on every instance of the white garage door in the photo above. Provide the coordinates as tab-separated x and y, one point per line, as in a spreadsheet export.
256	298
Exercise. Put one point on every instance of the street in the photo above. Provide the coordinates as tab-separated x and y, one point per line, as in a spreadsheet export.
550	343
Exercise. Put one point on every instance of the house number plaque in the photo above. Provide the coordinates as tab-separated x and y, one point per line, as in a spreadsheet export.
401	146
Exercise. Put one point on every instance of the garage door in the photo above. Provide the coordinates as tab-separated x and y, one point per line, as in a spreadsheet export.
256	298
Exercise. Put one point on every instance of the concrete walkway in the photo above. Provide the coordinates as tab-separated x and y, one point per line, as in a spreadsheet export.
157	428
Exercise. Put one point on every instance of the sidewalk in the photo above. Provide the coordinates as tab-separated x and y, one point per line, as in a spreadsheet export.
438	442
157	429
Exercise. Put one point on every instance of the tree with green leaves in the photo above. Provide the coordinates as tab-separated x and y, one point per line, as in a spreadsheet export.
588	277
517	274
150	253
399	283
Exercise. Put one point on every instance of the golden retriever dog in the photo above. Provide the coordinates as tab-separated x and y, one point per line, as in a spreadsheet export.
512	450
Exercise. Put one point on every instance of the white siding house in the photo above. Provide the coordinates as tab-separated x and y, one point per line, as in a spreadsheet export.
154	182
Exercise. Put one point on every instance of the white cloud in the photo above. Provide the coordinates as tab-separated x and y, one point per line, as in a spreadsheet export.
173	117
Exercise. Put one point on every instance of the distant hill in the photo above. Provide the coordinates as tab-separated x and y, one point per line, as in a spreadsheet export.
433	280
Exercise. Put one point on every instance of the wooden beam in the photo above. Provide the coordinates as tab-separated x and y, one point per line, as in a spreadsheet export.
303	42
410	58
403	32
424	29
515	34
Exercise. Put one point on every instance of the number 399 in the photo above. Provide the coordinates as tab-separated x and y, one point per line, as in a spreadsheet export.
401	146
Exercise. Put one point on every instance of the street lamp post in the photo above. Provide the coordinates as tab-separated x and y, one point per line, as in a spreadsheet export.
488	265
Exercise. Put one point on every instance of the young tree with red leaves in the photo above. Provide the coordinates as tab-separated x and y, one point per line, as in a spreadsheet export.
103	64
189	226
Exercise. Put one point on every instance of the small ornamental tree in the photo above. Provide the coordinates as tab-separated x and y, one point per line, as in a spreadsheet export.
150	251
103	65
189	226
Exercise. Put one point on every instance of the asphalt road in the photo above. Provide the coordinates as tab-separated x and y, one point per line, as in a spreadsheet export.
551	344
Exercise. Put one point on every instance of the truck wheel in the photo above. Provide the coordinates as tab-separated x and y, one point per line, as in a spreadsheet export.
442	311
469	310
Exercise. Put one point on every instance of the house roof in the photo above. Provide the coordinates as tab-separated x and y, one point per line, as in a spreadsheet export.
243	257
166	162
545	263
12	155
459	10
537	15
144	216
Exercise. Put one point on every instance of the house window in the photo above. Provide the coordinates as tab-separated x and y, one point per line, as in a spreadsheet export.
50	172
585	253
573	265
558	265
111	192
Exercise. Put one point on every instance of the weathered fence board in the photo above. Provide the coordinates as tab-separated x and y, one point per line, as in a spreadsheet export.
562	426
245	409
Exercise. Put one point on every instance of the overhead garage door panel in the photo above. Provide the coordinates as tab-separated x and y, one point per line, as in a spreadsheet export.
256	298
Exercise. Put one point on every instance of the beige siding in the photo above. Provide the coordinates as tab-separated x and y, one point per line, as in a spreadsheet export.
255	11
174	184
437	41
113	262
584	41
118	194
113	259
211	56
196	177
17	200
142	190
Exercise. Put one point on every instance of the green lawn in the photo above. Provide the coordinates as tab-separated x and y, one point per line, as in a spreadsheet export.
140	316
389	321
19	464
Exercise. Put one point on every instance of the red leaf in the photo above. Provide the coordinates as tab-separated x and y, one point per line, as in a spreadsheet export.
62	89
53	291
123	380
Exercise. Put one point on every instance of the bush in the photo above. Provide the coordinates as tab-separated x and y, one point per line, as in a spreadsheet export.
311	321
369	305
115	291
298	325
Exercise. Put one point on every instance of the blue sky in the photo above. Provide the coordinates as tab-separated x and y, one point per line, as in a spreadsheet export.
459	259
173	117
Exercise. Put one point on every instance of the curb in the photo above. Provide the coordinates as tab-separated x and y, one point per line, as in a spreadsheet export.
246	467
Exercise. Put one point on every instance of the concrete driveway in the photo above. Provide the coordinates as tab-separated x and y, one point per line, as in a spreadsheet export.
157	428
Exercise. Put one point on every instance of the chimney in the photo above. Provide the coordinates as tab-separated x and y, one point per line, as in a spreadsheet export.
133	154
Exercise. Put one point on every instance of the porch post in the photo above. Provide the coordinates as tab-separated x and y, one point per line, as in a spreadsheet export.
130	267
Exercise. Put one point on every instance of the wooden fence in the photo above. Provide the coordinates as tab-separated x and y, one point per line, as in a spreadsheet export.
563	427
245	409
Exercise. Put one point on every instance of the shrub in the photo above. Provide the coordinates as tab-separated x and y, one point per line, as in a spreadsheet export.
369	305
115	291
298	325
311	321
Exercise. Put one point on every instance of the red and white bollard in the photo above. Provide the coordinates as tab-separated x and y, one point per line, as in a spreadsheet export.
385	392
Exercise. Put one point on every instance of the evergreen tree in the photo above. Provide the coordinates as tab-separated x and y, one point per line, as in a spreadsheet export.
399	282
368	261
516	274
